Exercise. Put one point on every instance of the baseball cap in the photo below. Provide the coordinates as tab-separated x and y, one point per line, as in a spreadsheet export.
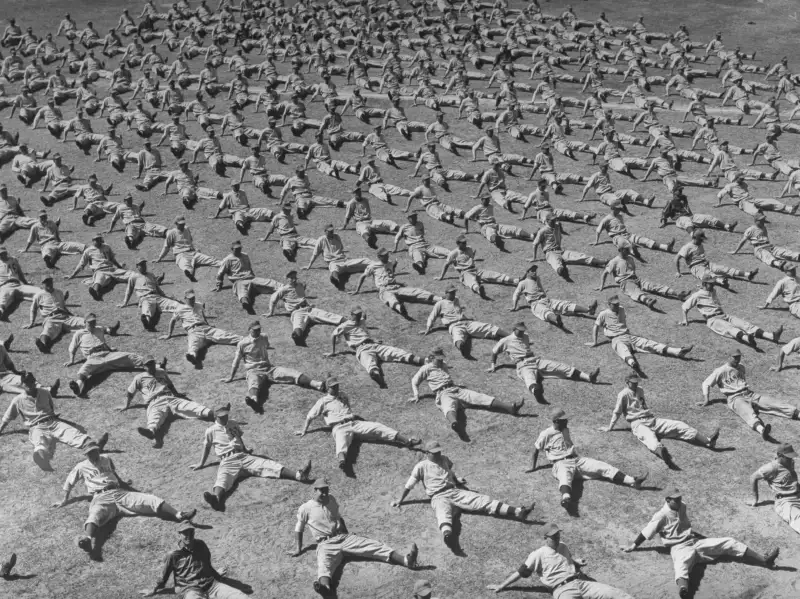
461	239
90	448
614	299
411	216
180	219
760	217
422	588
433	447
550	529
141	261
673	493
331	381
786	450
95	237
291	273
321	483
188	293
708	279
557	414
383	252
520	326
356	310
47	278
236	243
286	207
632	378
223	410
185	527
438	352
329	227
698	234
736	352
450	289
91	317
254	325
149	358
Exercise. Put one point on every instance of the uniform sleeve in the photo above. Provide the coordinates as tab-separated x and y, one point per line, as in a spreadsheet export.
533	564
302	519
75	342
136	385
690	302
415	477
712	380
472	212
766	472
622	404
654	526
75	476
499	347
541	440
316	409
11	412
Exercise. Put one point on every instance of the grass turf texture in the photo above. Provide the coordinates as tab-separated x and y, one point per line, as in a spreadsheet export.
252	537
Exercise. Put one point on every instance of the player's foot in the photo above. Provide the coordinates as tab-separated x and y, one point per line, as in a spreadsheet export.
638	480
305	471
41	459
146	432
321	589
85	543
766	431
730	227
41	345
685	350
114	328
593	375
593	307
752	274
102	441
158	441
211	500
253	405
413	552
670	245
8	565
55	387
75	388
413	442
777	334
186	516
523	512
565	501
95	293
343	465
770	558
712	440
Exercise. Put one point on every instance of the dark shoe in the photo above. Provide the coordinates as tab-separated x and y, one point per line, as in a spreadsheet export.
8	565
211	500
114	329
42	346
187	516
102	441
55	387
85	543
75	388
145	432
254	405
712	440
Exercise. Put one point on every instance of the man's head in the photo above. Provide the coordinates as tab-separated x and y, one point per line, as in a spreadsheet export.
47	282
735	358
236	248
180	223
329	231
92	452
632	381
322	490
552	535
559	419
613	303
786	453
674	498
97	240
520	329
255	329
221	414
150	364
141	265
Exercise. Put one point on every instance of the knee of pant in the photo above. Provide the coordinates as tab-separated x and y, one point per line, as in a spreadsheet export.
494	507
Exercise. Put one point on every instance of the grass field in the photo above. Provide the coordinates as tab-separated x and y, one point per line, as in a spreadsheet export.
252	537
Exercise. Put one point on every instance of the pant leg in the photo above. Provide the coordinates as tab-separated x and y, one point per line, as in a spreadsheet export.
131	503
643	431
157	412
709	549
648	346
220	590
564	472
591	468
474	399
789	511
261	467
185	408
743	408
497	278
674	429
373	431
228	472
482	330
765	404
